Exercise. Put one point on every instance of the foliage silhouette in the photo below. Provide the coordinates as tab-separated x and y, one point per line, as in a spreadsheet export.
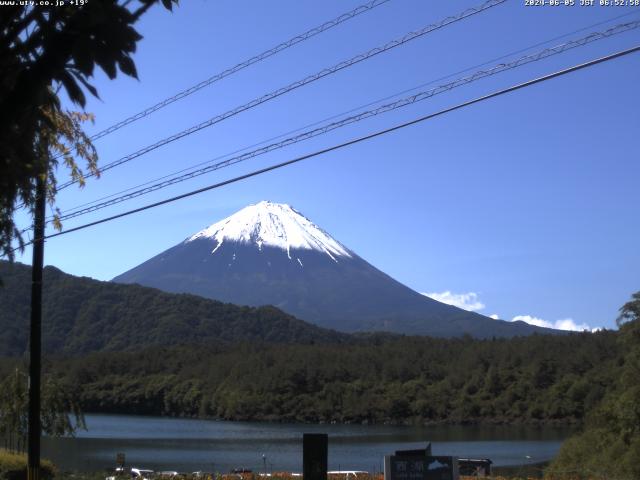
609	445
42	50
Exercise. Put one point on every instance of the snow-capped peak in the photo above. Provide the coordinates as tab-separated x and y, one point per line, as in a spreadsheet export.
273	225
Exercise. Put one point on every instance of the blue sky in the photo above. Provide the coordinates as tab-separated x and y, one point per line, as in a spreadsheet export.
525	205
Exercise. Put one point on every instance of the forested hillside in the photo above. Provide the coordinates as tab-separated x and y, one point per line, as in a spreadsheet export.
168	354
406	379
82	315
609	445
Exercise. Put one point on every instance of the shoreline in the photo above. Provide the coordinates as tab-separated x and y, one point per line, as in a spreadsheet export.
394	423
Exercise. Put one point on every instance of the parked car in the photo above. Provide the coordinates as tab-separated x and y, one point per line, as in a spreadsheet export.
142	474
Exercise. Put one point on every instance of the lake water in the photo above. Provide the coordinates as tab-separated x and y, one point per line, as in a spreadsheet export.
190	445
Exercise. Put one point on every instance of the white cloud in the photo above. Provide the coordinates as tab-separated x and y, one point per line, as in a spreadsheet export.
538	322
562	324
470	301
467	301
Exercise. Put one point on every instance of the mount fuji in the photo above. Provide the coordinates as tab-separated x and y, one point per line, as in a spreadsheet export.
270	254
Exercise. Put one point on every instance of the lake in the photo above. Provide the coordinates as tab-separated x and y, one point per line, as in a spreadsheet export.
189	445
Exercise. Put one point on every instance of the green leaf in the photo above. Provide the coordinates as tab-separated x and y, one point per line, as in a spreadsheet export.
127	66
82	57
107	62
73	90
87	85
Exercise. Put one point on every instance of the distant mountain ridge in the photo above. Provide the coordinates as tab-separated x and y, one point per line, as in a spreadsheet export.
82	315
269	253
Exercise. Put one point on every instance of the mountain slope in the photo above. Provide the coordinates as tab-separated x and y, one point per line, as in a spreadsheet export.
83	315
271	254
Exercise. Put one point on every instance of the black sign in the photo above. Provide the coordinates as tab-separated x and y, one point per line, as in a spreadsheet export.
314	456
420	467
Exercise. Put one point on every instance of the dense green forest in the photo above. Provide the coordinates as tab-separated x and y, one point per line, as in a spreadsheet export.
241	363
82	315
131	349
376	379
609	445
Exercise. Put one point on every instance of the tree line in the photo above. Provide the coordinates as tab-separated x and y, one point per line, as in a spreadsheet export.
535	379
609	444
589	379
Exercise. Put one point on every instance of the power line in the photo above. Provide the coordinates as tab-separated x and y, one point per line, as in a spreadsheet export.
355	141
225	73
242	65
332	117
403	102
295	85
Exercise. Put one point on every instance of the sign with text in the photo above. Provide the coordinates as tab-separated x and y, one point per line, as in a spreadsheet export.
420	467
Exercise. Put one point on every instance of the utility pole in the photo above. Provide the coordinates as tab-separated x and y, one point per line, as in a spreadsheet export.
35	343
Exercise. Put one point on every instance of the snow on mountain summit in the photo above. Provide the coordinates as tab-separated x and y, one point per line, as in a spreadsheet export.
273	225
